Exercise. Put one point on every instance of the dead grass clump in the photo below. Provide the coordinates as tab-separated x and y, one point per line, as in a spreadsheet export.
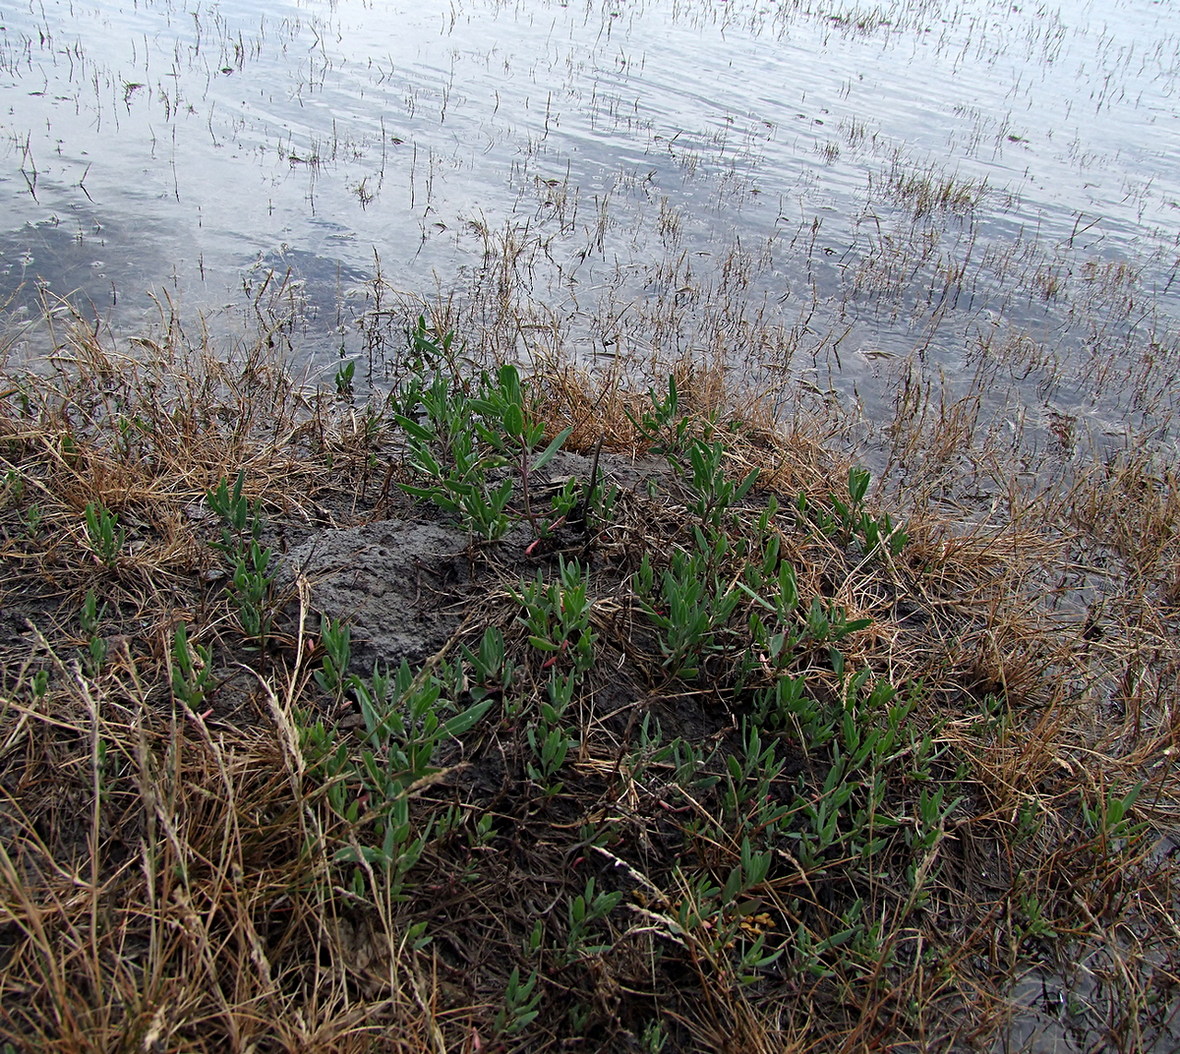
1133	510
158	892
926	191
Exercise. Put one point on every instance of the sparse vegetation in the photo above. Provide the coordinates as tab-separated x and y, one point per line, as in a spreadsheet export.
747	755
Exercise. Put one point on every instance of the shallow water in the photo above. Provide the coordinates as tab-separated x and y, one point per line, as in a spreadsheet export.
980	195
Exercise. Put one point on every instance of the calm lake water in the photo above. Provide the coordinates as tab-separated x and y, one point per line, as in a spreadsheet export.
975	196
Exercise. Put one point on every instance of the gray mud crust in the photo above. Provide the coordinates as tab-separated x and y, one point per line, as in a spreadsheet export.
405	584
398	583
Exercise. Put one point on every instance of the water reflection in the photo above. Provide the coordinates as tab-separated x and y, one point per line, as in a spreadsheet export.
838	190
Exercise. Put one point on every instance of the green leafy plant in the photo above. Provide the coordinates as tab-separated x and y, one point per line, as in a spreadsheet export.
549	739
719	925
508	426
749	776
103	532
446	449
829	622
39	684
751	871
521	1004
458	441
32	520
492	670
1109	816
344	377
773	631
865	739
90	618
654	1037
20	392
690	605
1032	924
405	720
253	565
850	945
192	671
253	581
12	487
562	502
427	351
557	616
661	424
68	447
240	518
849	518
714	494
586	910
333	677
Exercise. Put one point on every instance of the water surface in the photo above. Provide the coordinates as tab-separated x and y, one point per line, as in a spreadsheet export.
971	195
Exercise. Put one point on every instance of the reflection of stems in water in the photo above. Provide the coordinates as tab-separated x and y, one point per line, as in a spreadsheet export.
1076	231
1171	277
27	158
82	183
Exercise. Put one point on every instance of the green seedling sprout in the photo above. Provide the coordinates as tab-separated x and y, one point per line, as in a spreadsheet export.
103	532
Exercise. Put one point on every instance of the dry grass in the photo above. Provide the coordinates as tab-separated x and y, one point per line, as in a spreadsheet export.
171	877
